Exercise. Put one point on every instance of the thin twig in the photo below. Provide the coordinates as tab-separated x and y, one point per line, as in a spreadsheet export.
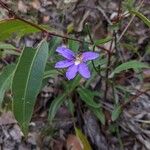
107	70
126	28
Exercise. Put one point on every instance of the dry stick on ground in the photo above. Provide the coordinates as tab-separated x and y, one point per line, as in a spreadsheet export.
48	33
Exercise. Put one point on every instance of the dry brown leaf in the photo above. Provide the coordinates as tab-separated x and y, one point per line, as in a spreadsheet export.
73	143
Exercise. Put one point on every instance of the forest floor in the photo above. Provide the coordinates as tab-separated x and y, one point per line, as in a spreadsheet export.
131	128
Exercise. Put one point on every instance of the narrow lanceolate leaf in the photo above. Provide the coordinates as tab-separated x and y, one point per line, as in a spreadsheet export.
58	101
133	64
102	41
88	97
5	80
116	113
27	82
11	26
98	112
141	16
85	143
6	46
54	42
8	49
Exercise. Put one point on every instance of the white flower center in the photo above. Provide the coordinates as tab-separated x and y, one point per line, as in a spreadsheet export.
78	59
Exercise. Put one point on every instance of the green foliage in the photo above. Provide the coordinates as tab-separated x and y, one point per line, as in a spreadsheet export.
129	4
88	97
11	26
54	42
5	80
70	106
55	105
73	45
141	16
50	73
102	41
27	82
132	64
7	49
58	101
116	112
98	112
6	46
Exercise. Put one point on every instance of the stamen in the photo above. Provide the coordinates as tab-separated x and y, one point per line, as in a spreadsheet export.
78	59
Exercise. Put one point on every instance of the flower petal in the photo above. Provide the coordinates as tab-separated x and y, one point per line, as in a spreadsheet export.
63	64
65	52
89	56
84	71
71	72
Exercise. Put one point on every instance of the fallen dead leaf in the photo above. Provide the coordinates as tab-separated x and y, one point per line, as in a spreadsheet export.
73	143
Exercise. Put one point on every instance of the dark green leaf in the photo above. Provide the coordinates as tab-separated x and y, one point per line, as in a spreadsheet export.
50	73
99	114
60	99
5	80
11	26
88	97
73	45
56	103
116	112
102	41
133	64
54	42
27	82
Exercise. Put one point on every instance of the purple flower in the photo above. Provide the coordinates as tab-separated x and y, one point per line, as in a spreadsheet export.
75	62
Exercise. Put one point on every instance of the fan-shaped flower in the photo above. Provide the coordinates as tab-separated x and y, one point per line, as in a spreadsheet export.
76	63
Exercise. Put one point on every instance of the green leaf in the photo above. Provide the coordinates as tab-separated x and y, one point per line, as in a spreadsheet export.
50	73
73	84
27	82
141	16
7	49
5	80
73	45
99	114
88	97
133	64
128	4
6	46
58	101
102	41
70	106
54	42
83	139
116	112
11	26
55	105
